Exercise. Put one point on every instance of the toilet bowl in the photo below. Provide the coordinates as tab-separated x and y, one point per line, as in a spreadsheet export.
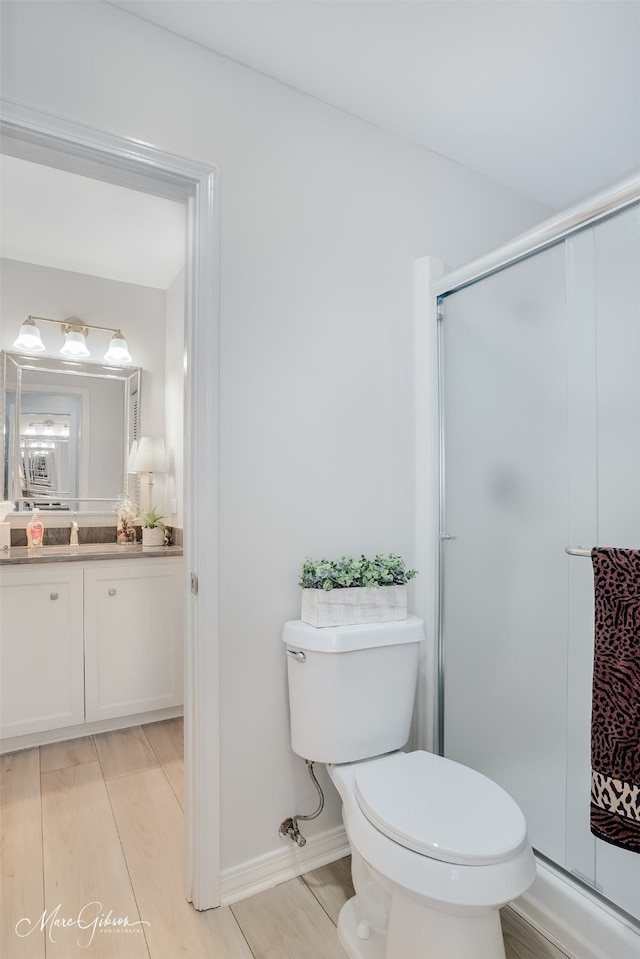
437	849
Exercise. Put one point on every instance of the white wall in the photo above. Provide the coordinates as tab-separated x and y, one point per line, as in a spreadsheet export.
140	311
322	218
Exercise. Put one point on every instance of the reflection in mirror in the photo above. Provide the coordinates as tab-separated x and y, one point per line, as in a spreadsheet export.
68	428
47	447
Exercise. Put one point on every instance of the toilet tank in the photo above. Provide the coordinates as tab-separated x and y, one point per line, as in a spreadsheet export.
351	688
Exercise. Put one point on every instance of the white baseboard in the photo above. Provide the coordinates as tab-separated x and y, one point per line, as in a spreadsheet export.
13	743
284	863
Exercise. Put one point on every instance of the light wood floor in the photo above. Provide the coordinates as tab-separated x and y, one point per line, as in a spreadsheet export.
92	834
95	826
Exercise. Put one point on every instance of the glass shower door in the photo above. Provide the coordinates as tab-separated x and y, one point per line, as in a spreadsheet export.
505	604
541	410
613	264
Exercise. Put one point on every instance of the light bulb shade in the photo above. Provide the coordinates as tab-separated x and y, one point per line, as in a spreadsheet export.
75	344
150	456
118	351
29	338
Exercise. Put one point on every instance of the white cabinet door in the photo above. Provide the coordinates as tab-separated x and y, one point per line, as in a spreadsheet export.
42	683
133	637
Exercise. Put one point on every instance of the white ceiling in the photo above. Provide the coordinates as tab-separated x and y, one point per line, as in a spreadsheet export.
543	97
58	219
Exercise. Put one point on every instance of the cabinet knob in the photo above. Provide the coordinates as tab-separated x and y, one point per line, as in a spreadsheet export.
53	595
112	592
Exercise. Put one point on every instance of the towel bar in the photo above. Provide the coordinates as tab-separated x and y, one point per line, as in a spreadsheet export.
577	551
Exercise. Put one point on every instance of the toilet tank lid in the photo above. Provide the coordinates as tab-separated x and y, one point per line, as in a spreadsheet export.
343	639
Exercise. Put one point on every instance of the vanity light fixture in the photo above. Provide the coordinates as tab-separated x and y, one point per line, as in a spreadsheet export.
118	351
46	427
75	339
29	337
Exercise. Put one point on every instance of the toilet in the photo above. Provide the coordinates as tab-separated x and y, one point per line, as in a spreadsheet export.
437	848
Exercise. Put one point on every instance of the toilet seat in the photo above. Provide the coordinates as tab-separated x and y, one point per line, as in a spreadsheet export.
440	809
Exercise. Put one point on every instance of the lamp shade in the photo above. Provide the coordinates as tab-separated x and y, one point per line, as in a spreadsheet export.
118	351
75	344
133	452
29	338
150	456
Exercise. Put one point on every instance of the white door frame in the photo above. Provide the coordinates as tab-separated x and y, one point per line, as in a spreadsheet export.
55	141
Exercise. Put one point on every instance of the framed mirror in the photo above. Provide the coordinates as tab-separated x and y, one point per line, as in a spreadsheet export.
68	429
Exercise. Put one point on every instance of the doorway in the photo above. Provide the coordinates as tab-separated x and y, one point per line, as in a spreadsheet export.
64	145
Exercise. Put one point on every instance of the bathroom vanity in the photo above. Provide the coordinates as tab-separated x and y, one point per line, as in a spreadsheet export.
92	639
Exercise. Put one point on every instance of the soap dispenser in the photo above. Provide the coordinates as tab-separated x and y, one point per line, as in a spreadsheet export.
35	531
73	536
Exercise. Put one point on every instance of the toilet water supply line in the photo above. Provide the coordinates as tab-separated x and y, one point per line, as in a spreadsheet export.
290	826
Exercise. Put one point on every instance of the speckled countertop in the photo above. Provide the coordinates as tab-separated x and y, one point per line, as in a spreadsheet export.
90	551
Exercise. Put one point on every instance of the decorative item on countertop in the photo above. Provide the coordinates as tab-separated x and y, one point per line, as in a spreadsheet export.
126	529
347	591
6	507
153	530
35	531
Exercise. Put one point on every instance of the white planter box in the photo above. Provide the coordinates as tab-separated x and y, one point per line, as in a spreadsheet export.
152	537
354	605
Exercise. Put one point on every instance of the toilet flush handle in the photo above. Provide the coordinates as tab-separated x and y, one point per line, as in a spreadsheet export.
297	654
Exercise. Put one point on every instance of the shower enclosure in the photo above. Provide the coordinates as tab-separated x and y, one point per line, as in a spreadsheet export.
540	414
